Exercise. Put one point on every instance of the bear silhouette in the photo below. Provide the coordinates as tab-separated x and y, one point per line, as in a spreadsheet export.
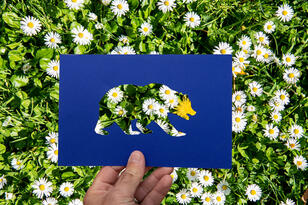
148	103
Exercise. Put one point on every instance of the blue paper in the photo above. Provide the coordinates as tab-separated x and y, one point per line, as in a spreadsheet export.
206	79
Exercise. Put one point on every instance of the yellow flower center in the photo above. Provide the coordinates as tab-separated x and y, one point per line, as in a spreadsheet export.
194	190
265	55
233	69
114	94
1	179
171	101
42	187
288	59
145	29
284	12
18	162
74	1
271	131
56	152
261	39
224	187
55	68
223	51
241	59
120	6
291	75
244	42
66	189
206	178
80	35
296	131
121	112
283	136
239	109
275	117
269	27
172	176
207	199
161	110
192	173
192	19
245	51
150	107
292	145
167	92
218	198
30	25
282	97
166	3
259	52
237	119
52	140
253	192
255	89
238	97
299	163
183	196
52	40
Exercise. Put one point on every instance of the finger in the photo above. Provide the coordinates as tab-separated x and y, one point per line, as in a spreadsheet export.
149	183
159	191
130	179
107	176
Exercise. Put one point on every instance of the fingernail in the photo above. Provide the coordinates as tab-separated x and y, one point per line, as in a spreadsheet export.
135	156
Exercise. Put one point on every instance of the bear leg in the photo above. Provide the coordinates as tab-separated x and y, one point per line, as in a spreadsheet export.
141	125
99	128
126	125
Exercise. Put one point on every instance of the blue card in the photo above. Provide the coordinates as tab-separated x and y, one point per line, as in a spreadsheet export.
176	109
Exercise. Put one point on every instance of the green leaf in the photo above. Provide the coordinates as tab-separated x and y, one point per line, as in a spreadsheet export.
12	19
44	53
19	81
2	148
15	55
66	175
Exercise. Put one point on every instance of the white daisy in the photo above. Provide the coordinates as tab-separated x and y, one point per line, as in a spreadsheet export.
149	106
176	133
74	4
282	96
283	136
92	16
131	131
288	202
258	53
166	5
30	25
163	125
255	89
174	176
241	59
183	197
276	116
50	201
207	198
239	108
75	202
52	138
8	196
66	189
106	2
3	181
271	131
244	42
99	25
276	105
120	111
42	188
125	50
253	192
223	186
261	38
206	178
172	101
218	198
115	95
52	39
238	122
285	12
192	19
195	190
17	164
293	144
267	56
192	174
288	59
53	68
145	29
81	35
119	7
124	39
269	27
52	153
291	75
238	97
251	108
166	93
296	131
236	68
223	48
300	162
254	118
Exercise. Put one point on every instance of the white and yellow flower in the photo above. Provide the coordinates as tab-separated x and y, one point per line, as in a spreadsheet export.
30	25
285	12
174	176
276	116
183	197
238	98
258	53
192	19
176	133
293	144
17	164
207	198
52	153
53	68
124	39
269	27
171	101
66	189
283	136
192	174
296	131
223	187
262	38
223	48
291	75
251	108
50	201
75	202
74	4
205	178
276	105
115	95
195	190
255	89
119	7
271	131
239	108
300	162
150	106
288	59
145	29
3	181
120	111
241	59
42	188
166	93
267	56
92	16
253	192
52	39
52	138
106	2
244	42
238	122
166	5
81	35
218	198
282	96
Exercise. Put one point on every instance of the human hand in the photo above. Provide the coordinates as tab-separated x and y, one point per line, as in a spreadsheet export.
127	189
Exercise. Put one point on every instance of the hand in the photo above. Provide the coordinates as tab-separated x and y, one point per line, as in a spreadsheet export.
127	189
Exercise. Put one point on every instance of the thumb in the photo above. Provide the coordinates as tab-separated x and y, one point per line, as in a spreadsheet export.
133	174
